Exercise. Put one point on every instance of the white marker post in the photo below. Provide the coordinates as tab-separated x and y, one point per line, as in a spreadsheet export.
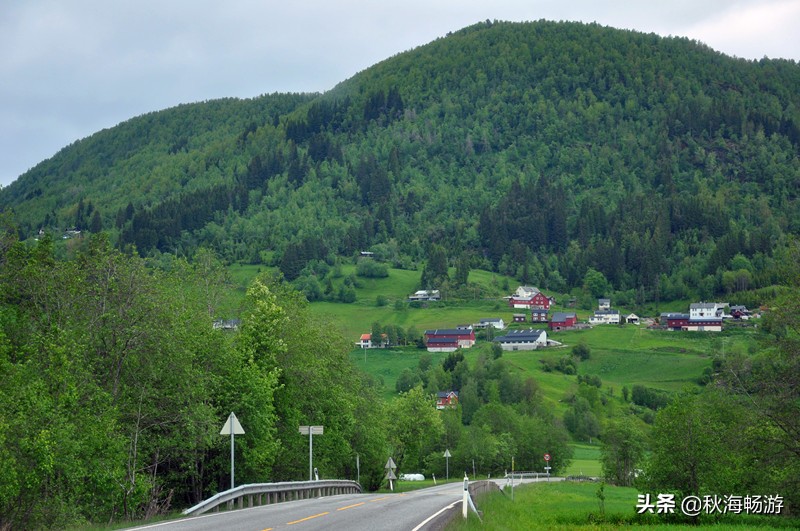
232	427
465	498
512	479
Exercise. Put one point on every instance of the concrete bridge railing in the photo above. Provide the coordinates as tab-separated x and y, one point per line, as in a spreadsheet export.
268	493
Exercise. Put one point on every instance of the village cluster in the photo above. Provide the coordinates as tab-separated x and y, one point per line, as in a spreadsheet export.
702	317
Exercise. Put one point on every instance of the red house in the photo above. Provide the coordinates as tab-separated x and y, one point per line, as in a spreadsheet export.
448	340
446	399
539	315
563	320
675	321
529	298
539	301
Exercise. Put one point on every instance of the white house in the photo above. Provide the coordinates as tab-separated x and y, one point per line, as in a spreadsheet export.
523	340
366	341
605	317
496	322
425	295
603	304
703	310
526	292
632	319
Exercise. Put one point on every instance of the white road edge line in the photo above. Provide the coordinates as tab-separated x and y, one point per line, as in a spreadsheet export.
435	515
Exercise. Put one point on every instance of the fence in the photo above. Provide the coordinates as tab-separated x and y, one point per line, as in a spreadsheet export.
269	493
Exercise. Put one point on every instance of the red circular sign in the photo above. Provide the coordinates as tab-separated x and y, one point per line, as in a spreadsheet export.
547	457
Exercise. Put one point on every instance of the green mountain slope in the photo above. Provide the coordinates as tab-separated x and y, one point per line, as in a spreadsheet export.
542	150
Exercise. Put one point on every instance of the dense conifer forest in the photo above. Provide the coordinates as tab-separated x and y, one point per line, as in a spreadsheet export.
541	150
565	155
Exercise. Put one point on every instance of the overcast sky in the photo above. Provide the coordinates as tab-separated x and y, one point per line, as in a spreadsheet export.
69	68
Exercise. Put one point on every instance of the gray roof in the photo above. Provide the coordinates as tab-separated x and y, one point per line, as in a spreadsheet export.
706	320
448	332
703	306
518	336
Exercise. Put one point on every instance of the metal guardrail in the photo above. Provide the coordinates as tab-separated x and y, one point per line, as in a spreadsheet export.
259	493
526	475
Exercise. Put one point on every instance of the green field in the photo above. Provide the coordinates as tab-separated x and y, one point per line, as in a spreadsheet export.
572	505
585	460
622	356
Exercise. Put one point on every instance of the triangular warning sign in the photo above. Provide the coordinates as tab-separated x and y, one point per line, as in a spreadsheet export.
232	424
390	464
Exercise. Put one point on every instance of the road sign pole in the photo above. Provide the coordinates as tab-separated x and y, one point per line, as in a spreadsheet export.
547	465
311	431
233	427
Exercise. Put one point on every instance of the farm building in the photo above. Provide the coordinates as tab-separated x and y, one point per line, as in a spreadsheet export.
448	340
562	320
523	340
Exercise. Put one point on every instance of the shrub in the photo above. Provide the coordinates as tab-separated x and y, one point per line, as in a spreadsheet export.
371	269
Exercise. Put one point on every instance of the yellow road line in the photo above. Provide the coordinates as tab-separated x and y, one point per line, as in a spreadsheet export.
350	506
306	518
379	499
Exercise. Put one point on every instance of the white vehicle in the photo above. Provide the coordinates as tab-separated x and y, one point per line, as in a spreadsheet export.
412	477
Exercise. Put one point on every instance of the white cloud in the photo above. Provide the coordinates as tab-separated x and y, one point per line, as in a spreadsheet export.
753	31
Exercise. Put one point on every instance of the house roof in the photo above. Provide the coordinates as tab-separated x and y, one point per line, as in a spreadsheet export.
703	306
491	320
674	315
606	312
366	337
562	316
449	332
445	394
520	336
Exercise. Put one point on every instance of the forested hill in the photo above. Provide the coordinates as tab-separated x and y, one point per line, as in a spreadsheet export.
546	150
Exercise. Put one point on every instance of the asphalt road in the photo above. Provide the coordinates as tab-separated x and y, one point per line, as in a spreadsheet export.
408	511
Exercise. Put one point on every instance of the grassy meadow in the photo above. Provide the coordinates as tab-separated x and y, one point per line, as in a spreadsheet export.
622	356
572	505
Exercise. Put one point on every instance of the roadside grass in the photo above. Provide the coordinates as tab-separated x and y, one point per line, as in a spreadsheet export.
576	505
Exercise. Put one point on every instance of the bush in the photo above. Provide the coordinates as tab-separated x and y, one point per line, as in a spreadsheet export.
371	269
591	379
648	397
581	351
